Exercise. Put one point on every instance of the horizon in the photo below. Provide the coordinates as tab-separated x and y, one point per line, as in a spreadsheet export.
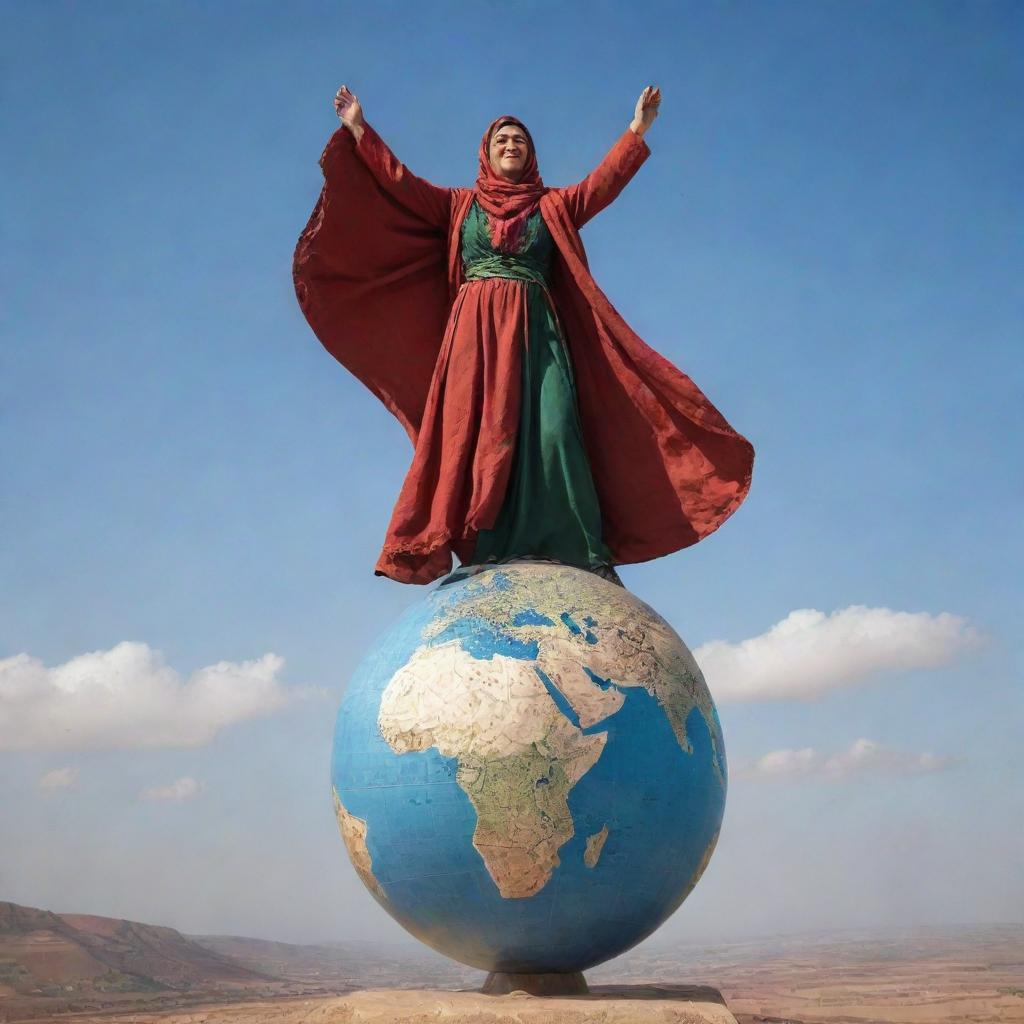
826	237
653	943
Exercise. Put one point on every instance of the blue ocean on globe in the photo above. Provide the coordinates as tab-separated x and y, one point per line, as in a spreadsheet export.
528	770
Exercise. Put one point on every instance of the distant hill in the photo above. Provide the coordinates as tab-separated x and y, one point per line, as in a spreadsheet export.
46	954
76	963
340	966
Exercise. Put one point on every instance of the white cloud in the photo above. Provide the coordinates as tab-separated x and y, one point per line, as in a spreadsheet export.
865	757
129	697
182	789
59	778
810	653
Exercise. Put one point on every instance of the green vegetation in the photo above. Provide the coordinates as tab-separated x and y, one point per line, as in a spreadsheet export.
11	972
116	981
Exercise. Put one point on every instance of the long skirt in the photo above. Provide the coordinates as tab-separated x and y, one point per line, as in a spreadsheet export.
528	490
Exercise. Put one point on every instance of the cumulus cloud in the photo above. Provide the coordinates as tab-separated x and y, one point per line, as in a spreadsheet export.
864	757
181	789
128	697
810	653
59	778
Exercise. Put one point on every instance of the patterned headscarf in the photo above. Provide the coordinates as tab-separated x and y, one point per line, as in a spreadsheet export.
507	203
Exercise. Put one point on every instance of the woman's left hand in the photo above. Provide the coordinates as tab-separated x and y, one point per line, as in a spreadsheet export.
646	109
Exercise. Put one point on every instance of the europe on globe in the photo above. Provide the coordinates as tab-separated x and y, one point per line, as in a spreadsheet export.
528	769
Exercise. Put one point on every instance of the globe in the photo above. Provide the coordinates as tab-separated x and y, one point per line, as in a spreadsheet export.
528	769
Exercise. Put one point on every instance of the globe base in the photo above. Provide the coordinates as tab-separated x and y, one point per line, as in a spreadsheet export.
499	983
613	1004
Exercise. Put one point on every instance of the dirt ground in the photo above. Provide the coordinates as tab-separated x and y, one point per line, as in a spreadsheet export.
634	1004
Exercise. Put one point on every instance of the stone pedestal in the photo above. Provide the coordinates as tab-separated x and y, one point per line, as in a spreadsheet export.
610	1004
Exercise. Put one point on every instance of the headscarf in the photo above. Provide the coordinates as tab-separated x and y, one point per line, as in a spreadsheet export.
507	203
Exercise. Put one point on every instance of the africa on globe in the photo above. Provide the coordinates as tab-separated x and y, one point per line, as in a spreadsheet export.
528	769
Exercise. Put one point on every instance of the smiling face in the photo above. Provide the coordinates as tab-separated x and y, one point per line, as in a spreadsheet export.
508	151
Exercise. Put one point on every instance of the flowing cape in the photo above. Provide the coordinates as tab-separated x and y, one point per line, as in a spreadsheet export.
376	271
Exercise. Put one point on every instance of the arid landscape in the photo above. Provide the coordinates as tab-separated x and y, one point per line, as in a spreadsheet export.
64	967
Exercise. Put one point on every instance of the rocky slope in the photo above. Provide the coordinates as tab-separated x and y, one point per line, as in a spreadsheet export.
48	954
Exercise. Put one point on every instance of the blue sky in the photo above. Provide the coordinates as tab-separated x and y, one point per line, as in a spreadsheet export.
827	237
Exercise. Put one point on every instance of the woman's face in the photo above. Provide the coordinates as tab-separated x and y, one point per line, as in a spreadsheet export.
509	150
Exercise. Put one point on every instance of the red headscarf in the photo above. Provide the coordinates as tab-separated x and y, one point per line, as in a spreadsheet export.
507	203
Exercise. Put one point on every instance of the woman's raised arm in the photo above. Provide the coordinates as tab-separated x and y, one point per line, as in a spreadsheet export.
599	188
430	202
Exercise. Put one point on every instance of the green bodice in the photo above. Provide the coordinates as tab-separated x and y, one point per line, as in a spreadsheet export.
480	259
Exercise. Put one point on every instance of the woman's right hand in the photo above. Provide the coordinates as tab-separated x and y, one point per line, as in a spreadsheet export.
347	106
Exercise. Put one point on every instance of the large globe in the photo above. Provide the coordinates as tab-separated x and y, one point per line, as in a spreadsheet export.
528	769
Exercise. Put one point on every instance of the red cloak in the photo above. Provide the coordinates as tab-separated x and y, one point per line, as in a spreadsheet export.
377	271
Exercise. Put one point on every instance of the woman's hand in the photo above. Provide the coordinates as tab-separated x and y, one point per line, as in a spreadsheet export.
347	107
646	109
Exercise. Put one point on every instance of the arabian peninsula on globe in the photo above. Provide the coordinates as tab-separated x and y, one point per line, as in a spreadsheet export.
528	769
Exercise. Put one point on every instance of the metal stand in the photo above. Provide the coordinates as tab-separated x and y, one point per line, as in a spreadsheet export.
500	984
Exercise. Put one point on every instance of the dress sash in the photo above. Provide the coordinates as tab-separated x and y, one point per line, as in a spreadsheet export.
504	264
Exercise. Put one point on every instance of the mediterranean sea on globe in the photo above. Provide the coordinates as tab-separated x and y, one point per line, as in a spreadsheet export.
528	769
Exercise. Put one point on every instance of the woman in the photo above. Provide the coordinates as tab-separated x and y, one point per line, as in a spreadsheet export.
542	425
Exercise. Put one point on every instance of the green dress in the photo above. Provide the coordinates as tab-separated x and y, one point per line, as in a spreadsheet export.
550	509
